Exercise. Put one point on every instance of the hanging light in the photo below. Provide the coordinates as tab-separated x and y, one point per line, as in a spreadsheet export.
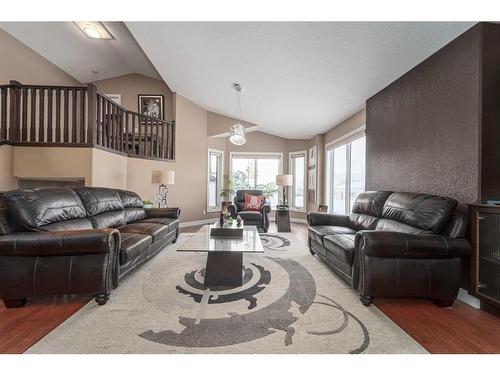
237	131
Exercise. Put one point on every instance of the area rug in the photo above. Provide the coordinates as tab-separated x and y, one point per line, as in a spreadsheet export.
290	302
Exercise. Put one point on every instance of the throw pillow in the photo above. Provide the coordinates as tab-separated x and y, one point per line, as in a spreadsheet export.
253	202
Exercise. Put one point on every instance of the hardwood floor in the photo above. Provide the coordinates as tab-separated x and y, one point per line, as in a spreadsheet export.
461	329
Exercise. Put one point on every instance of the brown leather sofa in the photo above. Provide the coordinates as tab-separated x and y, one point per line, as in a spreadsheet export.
394	245
76	241
258	218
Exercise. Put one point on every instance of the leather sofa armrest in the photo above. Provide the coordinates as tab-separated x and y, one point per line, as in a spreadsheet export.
265	209
233	210
167	212
321	218
408	245
63	243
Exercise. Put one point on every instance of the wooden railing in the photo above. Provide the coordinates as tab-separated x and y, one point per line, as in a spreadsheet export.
80	116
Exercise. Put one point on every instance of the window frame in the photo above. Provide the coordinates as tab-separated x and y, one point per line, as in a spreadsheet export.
220	177
346	140
250	154
304	185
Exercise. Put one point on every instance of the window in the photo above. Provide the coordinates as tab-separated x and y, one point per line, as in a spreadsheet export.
215	172
256	171
297	167
345	173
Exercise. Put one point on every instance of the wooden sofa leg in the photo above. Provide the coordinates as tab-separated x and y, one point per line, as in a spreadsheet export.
14	303
311	251
446	302
366	300
101	299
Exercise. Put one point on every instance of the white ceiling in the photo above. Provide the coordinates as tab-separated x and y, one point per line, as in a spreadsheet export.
299	79
65	45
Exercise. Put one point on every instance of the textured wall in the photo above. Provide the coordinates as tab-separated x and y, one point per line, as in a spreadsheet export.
423	129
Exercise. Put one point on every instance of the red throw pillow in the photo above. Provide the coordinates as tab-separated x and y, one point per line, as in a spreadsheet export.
253	202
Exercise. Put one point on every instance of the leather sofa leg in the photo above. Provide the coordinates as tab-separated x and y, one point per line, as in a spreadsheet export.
366	300
14	303
101	299
447	302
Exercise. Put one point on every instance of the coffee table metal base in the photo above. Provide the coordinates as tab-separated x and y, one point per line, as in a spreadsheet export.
224	268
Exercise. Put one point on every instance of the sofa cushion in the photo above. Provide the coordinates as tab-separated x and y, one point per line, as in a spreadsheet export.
156	231
317	232
341	246
422	211
104	206
133	206
368	208
133	246
171	223
239	199
397	226
250	215
33	209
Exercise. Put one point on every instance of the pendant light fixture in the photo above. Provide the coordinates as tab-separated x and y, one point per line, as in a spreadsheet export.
237	131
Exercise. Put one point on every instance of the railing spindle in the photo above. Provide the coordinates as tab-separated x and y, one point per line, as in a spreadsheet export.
49	116
3	107
58	115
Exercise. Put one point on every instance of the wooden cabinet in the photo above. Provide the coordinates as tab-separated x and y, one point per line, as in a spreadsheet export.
283	219
485	257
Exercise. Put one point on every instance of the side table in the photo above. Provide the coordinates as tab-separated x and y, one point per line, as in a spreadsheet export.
283	219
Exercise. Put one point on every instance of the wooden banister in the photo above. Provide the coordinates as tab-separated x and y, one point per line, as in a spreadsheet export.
80	115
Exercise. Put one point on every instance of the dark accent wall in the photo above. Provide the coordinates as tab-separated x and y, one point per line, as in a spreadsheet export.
422	131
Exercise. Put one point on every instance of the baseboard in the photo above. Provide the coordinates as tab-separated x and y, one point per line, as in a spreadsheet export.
464	296
197	222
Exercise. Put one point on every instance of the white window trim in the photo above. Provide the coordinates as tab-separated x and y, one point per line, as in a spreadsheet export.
221	176
290	171
250	153
343	140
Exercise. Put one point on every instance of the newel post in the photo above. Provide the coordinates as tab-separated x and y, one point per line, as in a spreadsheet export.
91	114
15	111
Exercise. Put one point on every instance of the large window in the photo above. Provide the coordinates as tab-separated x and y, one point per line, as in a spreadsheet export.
256	171
297	167
215	172
345	173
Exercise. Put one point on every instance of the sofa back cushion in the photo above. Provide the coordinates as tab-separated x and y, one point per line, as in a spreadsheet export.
104	206
424	213
239	199
367	209
133	206
46	209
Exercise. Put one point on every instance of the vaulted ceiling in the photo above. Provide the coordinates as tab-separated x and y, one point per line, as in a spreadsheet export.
299	78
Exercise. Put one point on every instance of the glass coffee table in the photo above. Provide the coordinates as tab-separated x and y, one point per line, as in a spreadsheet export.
224	254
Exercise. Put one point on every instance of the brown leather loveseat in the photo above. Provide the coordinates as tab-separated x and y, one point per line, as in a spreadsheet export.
394	245
72	241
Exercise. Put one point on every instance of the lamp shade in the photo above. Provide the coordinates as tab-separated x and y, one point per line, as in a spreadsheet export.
284	180
163	177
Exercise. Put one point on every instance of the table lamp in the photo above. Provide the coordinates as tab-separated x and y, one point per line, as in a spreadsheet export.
163	179
284	180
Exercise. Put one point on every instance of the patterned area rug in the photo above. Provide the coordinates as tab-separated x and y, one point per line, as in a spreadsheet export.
290	302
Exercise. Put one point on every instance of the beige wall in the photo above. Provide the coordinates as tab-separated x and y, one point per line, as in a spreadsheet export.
7	179
19	62
108	169
345	127
130	85
53	162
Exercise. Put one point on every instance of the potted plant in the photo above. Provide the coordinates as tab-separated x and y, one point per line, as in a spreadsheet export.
147	204
226	192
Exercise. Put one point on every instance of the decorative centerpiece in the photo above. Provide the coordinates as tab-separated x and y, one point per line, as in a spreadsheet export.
227	226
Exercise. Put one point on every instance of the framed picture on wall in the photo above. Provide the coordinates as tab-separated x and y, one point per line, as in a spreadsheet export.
151	105
313	155
312	179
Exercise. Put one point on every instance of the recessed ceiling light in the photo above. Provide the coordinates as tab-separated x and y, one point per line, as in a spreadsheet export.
94	29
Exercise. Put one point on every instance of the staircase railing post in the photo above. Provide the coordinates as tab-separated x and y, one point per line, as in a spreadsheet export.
91	114
15	111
